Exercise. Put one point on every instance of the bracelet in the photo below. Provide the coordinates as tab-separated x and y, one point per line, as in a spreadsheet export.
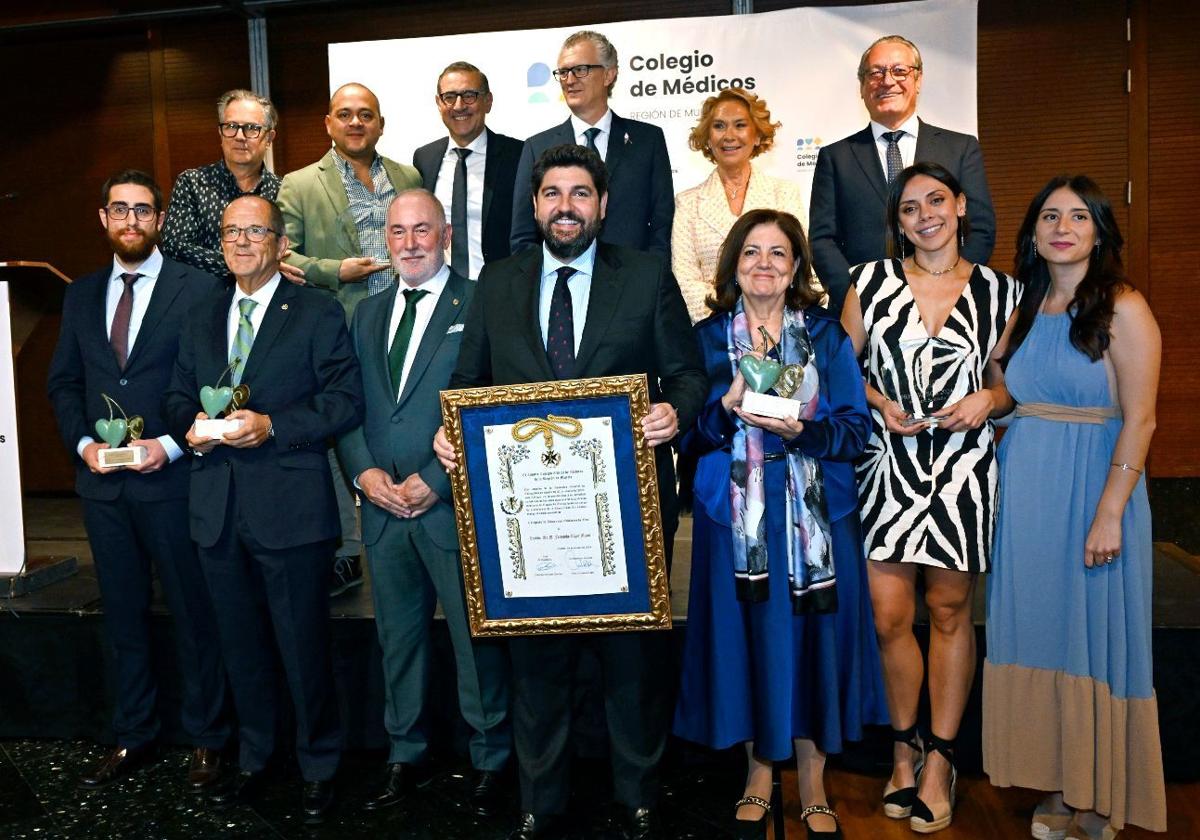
1126	467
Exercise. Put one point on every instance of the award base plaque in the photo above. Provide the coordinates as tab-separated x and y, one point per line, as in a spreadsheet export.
216	429
765	405
121	456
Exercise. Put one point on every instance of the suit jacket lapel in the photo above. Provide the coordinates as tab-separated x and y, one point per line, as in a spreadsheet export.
272	324
603	303
375	344
616	145
166	288
526	287
99	323
867	154
927	141
449	304
335	191
713	207
489	177
218	338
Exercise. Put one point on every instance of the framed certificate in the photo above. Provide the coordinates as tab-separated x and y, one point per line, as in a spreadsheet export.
556	500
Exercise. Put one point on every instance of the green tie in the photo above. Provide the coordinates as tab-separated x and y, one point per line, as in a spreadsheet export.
403	334
243	340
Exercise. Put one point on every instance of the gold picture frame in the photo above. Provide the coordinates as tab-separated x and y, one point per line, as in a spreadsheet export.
490	611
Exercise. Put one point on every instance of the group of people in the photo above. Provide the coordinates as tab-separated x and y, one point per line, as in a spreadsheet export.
361	287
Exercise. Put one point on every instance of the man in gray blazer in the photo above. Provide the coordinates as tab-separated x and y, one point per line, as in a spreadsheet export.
849	193
407	341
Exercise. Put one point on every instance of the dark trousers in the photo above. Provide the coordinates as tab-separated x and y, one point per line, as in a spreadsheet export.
273	607
126	537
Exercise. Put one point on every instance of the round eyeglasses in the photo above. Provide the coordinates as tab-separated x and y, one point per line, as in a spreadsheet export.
899	72
255	233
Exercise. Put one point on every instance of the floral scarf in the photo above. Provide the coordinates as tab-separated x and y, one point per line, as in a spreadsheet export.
811	578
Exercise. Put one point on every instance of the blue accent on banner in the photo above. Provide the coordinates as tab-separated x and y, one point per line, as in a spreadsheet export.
492	551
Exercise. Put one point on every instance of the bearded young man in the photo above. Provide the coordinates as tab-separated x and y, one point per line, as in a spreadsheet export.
119	337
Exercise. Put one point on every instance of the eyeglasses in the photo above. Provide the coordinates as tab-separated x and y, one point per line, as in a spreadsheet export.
580	70
255	233
899	72
469	97
251	131
143	212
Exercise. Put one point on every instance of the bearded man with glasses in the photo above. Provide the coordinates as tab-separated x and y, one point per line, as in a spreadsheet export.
246	126
847	211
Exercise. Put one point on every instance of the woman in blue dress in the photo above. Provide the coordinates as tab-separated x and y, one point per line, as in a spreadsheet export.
780	651
1068	696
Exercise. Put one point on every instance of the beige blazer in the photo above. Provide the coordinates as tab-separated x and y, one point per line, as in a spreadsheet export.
703	220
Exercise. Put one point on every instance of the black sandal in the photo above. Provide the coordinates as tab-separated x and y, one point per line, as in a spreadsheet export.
751	829
818	835
898	802
922	819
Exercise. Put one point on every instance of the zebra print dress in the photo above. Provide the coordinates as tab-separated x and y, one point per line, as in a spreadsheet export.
929	498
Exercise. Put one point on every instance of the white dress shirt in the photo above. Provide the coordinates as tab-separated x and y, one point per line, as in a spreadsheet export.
605	126
425	306
263	298
476	163
579	285
143	288
907	142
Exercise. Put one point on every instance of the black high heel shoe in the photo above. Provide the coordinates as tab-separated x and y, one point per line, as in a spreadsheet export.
922	819
752	829
898	802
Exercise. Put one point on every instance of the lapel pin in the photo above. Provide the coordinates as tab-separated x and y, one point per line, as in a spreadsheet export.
284	306
454	302
627	141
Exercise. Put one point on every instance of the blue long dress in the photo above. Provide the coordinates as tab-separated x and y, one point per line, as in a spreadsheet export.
1068	696
754	671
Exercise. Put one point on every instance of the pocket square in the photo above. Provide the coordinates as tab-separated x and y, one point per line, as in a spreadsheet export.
455	328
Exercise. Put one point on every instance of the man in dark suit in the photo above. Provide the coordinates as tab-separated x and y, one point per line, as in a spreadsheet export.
407	341
641	195
262	509
120	333
611	311
848	207
473	176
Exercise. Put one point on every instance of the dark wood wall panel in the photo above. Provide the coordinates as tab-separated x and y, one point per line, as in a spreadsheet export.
1174	246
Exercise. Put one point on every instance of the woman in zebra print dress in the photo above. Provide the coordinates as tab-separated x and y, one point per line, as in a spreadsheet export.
929	328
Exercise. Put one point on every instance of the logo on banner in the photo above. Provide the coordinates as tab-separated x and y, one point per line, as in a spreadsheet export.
538	76
806	152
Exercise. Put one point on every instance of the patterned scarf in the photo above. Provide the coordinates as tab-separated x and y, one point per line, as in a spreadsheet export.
811	578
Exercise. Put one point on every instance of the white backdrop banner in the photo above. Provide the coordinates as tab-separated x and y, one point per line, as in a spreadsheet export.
802	61
12	525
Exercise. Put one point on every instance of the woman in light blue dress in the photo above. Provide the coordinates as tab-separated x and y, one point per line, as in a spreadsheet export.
1069	705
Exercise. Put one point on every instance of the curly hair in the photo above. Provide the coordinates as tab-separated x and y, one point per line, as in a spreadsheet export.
801	292
1091	309
760	117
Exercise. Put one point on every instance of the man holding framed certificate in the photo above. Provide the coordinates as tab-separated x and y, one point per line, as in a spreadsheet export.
575	309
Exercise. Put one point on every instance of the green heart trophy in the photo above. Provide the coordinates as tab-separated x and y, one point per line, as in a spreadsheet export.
219	400
117	432
764	374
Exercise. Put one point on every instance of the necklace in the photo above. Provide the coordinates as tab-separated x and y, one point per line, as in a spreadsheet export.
736	187
917	263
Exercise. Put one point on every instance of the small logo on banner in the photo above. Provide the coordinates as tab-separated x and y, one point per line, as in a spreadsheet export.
537	76
806	152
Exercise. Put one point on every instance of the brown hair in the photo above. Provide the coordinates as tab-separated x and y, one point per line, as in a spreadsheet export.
760	116
801	292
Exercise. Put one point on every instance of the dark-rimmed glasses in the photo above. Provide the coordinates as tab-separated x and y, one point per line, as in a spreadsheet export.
251	131
580	71
899	72
119	211
255	233
469	97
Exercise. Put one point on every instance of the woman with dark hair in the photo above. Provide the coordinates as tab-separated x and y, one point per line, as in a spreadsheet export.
734	128
1068	694
780	653
928	325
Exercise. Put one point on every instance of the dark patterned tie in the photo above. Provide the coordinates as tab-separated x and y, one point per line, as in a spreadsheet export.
560	330
460	258
591	134
118	336
403	335
894	162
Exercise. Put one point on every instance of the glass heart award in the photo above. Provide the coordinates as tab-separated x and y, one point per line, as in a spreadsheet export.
763	374
219	400
117	432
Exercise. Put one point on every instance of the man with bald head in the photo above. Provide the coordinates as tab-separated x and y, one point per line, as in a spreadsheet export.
261	506
850	185
333	212
407	342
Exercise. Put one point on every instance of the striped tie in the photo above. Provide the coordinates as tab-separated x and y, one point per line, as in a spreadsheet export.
244	338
